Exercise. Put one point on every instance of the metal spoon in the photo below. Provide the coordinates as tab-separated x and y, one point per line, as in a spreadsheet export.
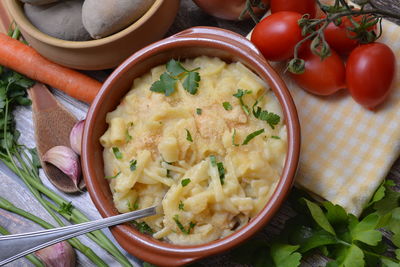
15	246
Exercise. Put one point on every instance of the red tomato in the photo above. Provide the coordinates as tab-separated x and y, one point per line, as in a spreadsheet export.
299	6
276	35
321	77
226	9
338	36
370	72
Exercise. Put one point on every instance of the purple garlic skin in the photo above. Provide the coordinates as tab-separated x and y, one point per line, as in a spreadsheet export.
65	159
58	255
75	137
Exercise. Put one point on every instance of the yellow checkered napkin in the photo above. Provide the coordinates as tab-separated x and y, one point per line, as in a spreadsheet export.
347	150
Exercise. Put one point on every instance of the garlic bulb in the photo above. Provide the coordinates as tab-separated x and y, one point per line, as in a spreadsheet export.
58	255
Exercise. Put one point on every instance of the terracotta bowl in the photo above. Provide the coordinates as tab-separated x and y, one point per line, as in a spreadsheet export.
187	44
103	53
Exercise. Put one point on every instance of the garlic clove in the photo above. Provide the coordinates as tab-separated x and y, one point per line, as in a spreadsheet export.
58	255
75	137
65	159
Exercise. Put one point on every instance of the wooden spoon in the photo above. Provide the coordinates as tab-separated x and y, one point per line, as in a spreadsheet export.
53	124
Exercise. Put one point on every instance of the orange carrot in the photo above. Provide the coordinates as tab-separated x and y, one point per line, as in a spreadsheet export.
25	60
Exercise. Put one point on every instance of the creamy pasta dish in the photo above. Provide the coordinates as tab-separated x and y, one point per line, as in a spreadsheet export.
204	138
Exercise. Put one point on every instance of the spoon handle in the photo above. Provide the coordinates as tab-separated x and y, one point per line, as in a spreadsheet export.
15	246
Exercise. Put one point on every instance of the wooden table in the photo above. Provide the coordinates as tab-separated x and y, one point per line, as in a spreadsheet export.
189	15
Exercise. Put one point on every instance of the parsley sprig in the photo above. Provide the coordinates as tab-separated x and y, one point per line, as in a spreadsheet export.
239	95
181	227
327	228
271	118
176	72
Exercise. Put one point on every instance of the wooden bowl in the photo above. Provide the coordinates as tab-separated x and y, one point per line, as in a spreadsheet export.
190	43
103	53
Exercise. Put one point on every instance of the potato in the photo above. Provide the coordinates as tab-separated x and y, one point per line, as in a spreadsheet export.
61	20
105	17
39	2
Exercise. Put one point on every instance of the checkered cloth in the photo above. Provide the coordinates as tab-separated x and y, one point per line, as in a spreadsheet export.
348	150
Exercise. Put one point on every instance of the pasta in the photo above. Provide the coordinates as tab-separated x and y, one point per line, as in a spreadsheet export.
212	159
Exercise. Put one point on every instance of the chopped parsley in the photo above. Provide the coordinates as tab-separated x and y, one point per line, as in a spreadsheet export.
176	72
271	118
112	177
227	106
181	206
233	138
143	227
275	137
188	136
132	165
181	227
239	95
135	205
117	153
185	182
220	167
128	137
251	136
198	111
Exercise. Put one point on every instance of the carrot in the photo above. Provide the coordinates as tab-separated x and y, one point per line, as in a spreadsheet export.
24	59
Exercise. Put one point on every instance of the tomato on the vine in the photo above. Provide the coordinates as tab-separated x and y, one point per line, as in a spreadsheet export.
340	38
277	35
370	72
299	6
226	9
321	77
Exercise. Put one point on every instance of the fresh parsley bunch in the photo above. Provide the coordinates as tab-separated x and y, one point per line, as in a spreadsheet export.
329	230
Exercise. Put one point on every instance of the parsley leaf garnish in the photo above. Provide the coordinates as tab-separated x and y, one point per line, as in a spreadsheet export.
134	207
275	137
181	227
176	72
185	182
285	255
198	111
251	136
132	165
271	118
66	208
128	137
117	153
233	138
227	106
220	167
181	206
112	177
213	161
239	95
188	136
143	227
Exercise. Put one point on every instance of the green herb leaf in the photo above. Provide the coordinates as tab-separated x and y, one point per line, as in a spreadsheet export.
389	263
128	137
181	206
213	161
191	82
227	106
175	68
117	153
132	165
66	208
221	172
351	256
181	227
365	231
239	95
319	216
185	182
309	238
134	207
275	137
198	111
188	136
143	227
112	177
166	85
233	138
285	255
335	213
271	118
251	136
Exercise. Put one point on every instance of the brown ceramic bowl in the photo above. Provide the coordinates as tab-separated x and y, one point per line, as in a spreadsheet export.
187	44
103	53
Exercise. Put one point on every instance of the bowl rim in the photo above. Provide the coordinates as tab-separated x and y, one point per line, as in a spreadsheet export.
215	38
14	7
